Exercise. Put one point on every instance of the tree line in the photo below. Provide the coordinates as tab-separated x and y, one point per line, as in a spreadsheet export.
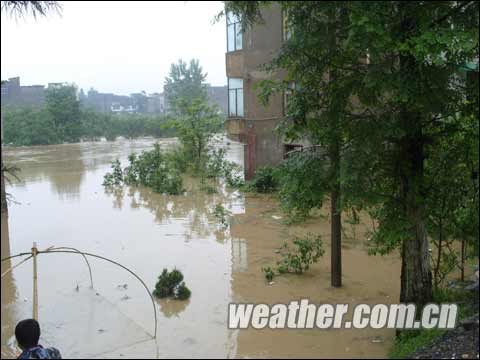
62	119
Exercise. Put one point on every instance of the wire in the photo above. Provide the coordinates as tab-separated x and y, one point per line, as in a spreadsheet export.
15	256
86	260
15	266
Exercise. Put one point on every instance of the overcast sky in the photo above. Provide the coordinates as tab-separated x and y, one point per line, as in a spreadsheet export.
120	47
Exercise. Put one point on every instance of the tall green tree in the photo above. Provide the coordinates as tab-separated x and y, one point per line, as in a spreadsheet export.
62	103
398	65
185	81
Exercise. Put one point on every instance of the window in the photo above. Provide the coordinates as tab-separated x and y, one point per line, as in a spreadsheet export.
289	92
235	97
234	33
286	30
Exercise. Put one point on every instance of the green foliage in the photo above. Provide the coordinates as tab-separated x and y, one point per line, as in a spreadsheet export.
27	126
155	169
409	341
170	284
24	127
185	82
115	178
264	180
269	274
182	292
195	127
61	102
381	86
308	250
221	214
303	184
218	167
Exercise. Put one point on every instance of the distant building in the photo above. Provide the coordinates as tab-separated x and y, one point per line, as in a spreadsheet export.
34	96
218	95
156	103
15	94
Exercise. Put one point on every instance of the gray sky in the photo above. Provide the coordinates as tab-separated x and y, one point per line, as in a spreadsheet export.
119	47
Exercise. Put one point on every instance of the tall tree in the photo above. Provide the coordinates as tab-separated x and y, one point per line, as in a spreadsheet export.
398	64
185	81
62	103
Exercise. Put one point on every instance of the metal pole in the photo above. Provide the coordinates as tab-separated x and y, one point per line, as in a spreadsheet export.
35	285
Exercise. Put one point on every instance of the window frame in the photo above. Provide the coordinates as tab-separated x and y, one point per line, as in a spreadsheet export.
236	114
236	25
289	92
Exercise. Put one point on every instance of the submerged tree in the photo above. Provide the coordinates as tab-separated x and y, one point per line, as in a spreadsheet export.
398	64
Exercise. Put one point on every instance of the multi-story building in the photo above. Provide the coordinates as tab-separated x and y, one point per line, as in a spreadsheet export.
16	95
248	120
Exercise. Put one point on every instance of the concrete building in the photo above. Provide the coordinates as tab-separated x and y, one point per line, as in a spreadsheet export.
248	120
16	95
218	95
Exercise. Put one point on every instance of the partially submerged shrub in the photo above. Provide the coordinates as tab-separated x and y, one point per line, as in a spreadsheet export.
221	214
264	181
308	250
161	171
269	274
114	178
218	167
170	284
182	292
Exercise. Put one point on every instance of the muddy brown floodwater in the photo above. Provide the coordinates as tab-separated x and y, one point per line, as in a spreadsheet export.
60	201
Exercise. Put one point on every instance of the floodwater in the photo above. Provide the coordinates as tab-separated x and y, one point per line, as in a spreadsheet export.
60	201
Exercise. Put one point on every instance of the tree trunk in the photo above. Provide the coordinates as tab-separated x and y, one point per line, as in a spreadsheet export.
439	255
416	277
336	215
462	261
336	239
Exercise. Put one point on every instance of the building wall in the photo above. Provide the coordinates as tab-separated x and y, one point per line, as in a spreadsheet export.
15	94
256	129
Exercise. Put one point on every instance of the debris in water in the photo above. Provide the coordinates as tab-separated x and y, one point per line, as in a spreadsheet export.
101	330
276	217
126	297
77	289
122	286
271	283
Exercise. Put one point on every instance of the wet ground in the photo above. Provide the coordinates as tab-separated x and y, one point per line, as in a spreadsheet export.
60	201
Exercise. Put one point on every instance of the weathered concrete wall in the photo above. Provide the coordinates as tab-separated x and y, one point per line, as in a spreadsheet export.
256	128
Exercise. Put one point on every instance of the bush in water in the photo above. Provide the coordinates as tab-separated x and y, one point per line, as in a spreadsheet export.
170	284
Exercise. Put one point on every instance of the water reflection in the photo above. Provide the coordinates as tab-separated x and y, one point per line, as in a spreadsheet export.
195	208
172	308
